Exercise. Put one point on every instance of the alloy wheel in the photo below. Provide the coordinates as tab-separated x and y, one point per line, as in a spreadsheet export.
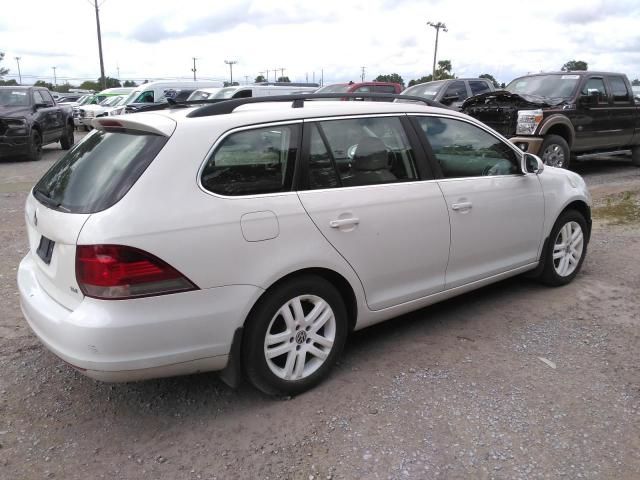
300	337
568	248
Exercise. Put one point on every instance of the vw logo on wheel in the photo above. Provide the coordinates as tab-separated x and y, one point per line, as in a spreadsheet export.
301	337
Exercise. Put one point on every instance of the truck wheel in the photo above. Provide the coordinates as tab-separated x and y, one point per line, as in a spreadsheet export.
67	139
35	146
635	156
555	151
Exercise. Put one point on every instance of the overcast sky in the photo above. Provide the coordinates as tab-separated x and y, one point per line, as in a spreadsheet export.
152	39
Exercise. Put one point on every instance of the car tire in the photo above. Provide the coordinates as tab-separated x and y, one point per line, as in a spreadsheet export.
635	156
35	146
568	238
288	353
67	140
555	151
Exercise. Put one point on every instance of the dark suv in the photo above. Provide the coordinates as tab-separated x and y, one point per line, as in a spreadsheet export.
451	93
564	114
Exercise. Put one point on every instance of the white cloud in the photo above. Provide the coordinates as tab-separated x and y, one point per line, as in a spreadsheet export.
157	38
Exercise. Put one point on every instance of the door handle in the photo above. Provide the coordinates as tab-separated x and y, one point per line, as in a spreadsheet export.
461	206
344	222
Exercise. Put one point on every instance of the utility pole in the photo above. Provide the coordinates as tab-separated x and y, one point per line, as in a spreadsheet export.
362	75
437	26
55	79
322	77
281	72
307	77
103	80
275	74
118	68
246	79
194	69
231	63
19	74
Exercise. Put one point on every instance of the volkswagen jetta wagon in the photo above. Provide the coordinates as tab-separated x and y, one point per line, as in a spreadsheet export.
252	236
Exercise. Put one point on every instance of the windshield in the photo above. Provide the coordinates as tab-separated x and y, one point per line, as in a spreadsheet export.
333	89
549	86
225	92
14	98
425	90
112	101
131	96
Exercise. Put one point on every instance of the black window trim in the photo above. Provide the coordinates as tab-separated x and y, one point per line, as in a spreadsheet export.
433	161
295	176
423	166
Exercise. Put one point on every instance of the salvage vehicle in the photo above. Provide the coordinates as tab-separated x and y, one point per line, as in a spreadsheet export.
564	115
89	112
29	119
155	256
451	93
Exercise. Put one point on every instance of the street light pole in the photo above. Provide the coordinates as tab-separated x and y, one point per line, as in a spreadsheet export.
231	63
103	79
437	26
19	74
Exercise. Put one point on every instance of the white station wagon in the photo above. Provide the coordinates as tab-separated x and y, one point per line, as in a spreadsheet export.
252	235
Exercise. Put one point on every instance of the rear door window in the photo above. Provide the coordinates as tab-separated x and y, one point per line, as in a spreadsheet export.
619	89
478	87
98	172
252	162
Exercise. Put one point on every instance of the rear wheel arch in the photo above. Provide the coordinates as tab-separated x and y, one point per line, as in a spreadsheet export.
337	280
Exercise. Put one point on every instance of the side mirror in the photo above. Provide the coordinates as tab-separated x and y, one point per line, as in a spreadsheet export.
532	164
39	105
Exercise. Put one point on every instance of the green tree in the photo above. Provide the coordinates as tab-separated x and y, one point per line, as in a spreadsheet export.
393	78
42	83
574	65
503	85
443	72
284	79
129	83
8	83
425	79
3	71
89	85
111	82
260	78
636	83
491	78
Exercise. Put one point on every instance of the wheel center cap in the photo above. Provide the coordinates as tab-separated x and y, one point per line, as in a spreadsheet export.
301	337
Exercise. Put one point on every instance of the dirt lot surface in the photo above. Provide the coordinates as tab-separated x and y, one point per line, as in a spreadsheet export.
514	381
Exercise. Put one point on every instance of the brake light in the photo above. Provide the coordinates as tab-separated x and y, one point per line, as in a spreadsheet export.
119	272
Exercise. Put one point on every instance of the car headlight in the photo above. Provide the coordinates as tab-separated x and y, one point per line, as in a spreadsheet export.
16	126
528	121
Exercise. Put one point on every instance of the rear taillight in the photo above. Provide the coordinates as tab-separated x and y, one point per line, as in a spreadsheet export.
119	272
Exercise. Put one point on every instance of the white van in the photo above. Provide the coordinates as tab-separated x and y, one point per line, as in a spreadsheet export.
245	91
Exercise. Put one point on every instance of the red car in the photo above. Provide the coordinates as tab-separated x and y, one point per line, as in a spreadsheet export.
363	87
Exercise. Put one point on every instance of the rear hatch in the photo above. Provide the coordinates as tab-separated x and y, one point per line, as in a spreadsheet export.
91	177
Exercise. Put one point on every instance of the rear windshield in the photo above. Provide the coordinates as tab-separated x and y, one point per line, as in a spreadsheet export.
98	172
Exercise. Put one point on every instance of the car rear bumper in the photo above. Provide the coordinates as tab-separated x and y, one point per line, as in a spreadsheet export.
528	144
14	145
126	340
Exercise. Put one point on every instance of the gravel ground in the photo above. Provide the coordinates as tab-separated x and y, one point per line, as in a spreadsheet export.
514	381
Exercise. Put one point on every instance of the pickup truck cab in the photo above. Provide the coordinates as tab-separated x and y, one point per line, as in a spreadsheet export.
562	115
29	119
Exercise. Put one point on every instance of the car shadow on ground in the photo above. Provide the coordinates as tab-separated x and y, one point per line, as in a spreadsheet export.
195	396
602	165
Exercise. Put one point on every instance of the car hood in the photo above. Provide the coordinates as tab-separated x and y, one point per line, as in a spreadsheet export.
505	98
13	112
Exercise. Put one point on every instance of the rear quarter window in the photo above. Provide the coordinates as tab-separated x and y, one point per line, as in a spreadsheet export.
98	171
252	162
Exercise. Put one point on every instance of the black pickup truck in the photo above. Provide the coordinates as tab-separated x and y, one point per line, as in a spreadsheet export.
562	115
29	119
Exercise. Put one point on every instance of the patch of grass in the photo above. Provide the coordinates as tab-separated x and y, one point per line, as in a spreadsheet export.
619	209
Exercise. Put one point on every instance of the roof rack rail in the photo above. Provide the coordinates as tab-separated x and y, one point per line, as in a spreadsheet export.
228	106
